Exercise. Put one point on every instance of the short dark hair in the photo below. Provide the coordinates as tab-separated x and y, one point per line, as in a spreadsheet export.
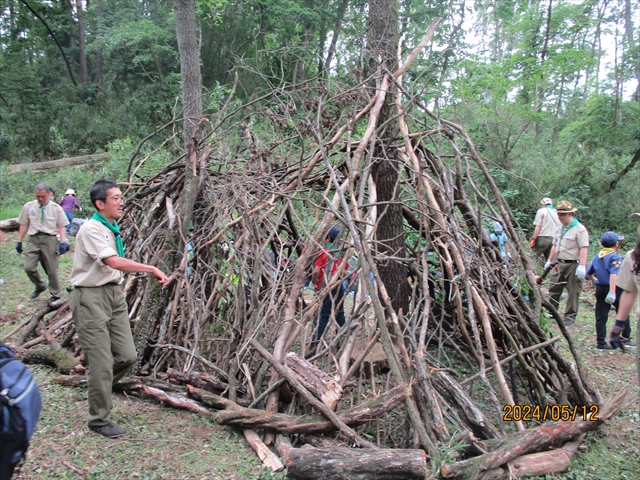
99	191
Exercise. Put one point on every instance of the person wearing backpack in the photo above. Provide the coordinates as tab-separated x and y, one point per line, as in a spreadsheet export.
98	305
20	405
546	223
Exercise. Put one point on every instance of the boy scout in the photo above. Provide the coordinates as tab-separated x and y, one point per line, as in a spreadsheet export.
570	249
43	220
98	304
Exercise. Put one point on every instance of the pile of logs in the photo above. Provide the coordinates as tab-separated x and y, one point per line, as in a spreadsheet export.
391	394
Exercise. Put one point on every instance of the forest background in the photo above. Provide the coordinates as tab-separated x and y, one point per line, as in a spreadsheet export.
548	90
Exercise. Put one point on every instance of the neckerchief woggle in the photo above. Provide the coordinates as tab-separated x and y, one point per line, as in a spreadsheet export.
114	228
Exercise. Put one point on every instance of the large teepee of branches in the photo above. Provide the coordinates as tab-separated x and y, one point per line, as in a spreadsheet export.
441	387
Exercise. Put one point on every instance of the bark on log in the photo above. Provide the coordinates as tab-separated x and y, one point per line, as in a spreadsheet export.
280	422
172	401
322	385
211	399
533	440
81	161
467	409
55	357
539	464
310	463
267	456
35	318
9	225
200	380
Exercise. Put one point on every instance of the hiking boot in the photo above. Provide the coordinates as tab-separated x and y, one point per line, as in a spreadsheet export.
569	321
110	430
39	289
604	346
628	343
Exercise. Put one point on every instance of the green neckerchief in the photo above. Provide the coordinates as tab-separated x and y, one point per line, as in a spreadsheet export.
551	207
564	230
42	205
114	228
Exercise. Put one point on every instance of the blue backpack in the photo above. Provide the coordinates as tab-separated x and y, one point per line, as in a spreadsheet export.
20	405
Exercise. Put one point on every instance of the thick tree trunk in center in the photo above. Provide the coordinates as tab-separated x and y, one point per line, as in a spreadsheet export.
382	41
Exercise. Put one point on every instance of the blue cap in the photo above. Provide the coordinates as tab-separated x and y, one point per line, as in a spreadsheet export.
609	239
497	227
333	232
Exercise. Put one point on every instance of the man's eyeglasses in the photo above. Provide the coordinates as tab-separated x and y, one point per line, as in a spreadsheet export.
116	198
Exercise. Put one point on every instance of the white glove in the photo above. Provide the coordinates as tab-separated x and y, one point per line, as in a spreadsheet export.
610	298
581	272
547	265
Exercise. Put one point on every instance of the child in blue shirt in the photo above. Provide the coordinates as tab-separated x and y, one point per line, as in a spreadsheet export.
605	266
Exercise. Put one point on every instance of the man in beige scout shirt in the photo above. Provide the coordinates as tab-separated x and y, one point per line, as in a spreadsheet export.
546	223
43	219
98	305
570	249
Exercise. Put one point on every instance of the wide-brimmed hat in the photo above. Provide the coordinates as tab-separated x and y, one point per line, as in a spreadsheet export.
564	206
609	239
635	216
546	201
70	192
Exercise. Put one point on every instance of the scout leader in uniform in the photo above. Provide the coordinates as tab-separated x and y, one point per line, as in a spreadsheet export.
570	249
98	304
43	220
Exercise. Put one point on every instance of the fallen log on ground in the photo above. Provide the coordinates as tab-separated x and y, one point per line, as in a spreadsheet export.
9	225
280	422
82	161
536	439
337	463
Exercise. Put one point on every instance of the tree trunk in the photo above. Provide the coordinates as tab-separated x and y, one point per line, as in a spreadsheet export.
81	43
98	67
382	39
185	20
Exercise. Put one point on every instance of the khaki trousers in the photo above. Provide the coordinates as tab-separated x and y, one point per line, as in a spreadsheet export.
102	321
564	276
45	247
542	247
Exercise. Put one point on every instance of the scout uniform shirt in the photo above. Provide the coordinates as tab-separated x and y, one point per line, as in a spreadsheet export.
47	218
94	243
627	280
548	220
569	241
605	264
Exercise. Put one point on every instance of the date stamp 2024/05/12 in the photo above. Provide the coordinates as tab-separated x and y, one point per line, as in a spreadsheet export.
528	413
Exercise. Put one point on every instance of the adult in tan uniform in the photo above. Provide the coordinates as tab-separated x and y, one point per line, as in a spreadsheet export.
569	250
98	304
547	224
43	220
629	281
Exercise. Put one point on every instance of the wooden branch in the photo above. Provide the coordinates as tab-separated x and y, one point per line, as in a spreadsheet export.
534	440
416	51
466	407
512	356
539	464
315	380
263	452
338	463
624	171
172	401
280	422
285	372
199	380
